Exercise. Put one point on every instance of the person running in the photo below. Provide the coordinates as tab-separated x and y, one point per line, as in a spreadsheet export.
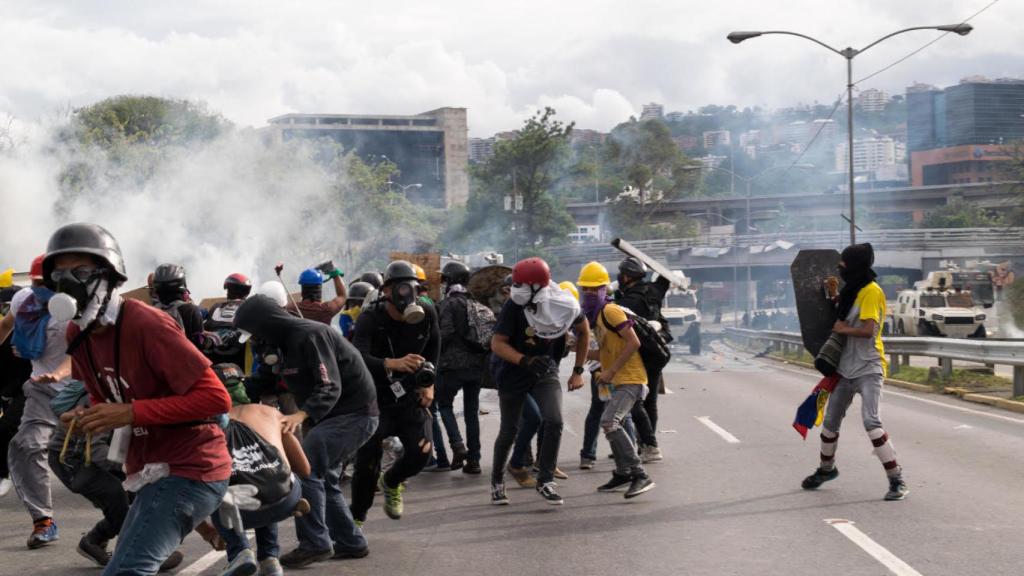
334	392
14	372
312	305
644	299
862	368
147	383
400	342
38	337
528	342
621	379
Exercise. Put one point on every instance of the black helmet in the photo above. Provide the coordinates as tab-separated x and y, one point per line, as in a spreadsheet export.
169	275
455	272
373	279
83	238
633	267
399	270
359	290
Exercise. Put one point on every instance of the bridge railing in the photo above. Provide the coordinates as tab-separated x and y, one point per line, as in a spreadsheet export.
991	352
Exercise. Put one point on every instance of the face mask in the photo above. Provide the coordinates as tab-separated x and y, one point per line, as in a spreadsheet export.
844	273
81	296
591	302
521	294
403	296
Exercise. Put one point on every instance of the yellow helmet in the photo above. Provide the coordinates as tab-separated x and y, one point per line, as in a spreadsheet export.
593	275
570	287
7	278
421	274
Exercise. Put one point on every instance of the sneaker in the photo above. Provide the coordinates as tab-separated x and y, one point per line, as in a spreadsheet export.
301	557
615	484
472	467
271	567
548	493
897	489
349	555
523	477
587	463
243	565
94	548
393	506
650	454
819	477
43	532
557	473
459	454
172	562
498	496
5	486
639	485
358	523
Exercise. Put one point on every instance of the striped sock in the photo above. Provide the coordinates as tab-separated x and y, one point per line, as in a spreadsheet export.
829	443
885	451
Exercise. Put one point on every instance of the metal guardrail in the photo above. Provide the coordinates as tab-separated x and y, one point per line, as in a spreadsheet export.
993	352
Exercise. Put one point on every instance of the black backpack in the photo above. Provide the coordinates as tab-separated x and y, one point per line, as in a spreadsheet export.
654	350
172	311
257	462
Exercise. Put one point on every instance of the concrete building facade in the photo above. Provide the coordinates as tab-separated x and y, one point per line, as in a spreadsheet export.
430	149
652	110
869	154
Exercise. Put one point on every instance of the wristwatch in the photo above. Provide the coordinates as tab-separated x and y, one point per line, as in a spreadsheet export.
577	370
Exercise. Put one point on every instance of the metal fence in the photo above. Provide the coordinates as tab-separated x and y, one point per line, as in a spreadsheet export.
900	348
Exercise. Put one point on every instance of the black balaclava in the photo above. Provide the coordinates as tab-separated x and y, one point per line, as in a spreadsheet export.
856	275
313	292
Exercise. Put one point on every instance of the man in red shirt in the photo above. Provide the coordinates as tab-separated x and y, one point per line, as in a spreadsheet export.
312	305
148	384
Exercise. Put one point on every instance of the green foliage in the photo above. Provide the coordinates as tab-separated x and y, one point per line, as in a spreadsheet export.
959	214
125	120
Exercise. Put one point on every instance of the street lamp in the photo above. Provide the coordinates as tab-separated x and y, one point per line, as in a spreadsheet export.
403	188
961	29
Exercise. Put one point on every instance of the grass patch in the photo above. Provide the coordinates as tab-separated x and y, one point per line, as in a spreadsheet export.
960	378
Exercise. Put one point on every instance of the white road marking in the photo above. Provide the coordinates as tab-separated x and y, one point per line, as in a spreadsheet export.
196	568
963	427
888	559
889	391
718	430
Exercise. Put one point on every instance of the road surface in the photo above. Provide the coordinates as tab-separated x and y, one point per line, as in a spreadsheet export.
728	499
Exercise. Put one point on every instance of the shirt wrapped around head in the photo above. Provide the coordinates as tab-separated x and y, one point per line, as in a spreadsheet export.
553	313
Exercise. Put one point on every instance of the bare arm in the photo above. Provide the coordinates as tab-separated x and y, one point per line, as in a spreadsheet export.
6	327
296	457
582	330
62	372
338	302
504	350
866	330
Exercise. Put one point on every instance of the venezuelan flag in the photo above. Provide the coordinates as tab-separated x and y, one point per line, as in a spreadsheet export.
812	411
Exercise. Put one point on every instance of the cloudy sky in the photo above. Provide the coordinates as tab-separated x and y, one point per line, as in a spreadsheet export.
597	62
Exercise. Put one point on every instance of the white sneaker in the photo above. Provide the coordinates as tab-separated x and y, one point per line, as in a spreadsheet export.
650	454
5	486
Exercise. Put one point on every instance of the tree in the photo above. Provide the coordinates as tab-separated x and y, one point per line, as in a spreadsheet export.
959	214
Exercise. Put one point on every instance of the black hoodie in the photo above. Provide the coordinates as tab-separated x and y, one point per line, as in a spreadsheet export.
325	372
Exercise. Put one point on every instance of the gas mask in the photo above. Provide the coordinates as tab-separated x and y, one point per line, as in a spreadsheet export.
81	295
403	296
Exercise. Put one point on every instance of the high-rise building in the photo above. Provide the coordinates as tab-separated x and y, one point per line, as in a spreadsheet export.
869	154
750	138
652	110
584	137
956	135
686	142
873	100
430	149
481	149
716	138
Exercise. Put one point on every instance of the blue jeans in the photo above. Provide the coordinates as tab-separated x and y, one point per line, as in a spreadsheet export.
592	425
449	385
530	425
264	523
439	451
327	445
162	514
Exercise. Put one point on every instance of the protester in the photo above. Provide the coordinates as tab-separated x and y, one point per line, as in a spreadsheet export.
220	321
528	341
862	368
147	383
334	393
621	379
354	302
312	306
400	342
14	372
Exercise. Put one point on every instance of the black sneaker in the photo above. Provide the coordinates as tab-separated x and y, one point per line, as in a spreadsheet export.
459	454
549	494
615	484
471	467
897	489
347	555
94	548
639	485
498	496
172	562
819	477
301	557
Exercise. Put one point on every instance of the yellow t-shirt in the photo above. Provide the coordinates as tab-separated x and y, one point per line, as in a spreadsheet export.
612	344
863	356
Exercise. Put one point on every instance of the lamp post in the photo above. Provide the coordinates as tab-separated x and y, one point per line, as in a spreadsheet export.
962	29
514	205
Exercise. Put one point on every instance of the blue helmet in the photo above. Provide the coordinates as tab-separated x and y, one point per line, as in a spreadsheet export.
311	277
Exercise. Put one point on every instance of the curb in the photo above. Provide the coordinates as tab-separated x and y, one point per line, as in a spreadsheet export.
1011	405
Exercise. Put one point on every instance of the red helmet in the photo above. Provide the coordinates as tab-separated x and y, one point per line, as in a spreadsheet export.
36	272
237	280
531	271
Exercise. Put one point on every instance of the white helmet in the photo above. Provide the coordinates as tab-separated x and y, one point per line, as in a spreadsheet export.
274	290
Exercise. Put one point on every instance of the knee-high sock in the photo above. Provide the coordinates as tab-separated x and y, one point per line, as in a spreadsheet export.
829	443
885	451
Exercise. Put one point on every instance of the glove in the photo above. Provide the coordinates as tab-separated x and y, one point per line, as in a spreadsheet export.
330	271
537	365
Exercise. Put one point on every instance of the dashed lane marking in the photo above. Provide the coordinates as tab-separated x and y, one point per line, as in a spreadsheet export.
887	559
718	430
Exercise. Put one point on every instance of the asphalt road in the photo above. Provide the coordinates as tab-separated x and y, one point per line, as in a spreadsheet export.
728	501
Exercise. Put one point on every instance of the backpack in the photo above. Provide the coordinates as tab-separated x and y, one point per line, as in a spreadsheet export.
256	462
654	350
221	321
30	324
480	321
172	311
